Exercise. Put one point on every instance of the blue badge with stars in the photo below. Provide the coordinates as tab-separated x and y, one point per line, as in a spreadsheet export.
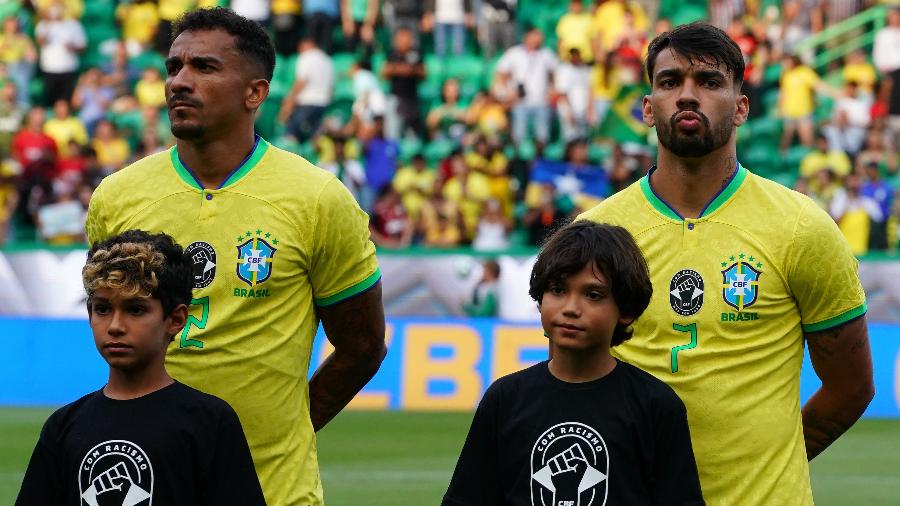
740	287
255	260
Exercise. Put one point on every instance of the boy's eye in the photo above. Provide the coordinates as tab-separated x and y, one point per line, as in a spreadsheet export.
556	290
137	309
100	309
594	295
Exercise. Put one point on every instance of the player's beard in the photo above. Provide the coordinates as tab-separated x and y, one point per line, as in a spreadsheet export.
188	131
696	144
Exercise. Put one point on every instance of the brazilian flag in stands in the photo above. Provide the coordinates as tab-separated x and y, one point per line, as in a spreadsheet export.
624	122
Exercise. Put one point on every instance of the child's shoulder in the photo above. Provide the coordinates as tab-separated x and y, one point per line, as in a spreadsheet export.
526	379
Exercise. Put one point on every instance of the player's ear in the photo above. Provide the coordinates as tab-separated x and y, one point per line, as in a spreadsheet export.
647	110
257	91
176	320
742	110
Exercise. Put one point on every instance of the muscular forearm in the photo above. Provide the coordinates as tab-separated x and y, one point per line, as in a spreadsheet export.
340	377
829	414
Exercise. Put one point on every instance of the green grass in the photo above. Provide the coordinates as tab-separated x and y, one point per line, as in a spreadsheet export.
405	459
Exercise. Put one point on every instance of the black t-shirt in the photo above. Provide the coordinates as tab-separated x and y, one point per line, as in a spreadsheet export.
175	446
405	87
536	440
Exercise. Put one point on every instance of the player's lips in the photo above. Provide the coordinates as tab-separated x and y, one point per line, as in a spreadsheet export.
688	120
182	103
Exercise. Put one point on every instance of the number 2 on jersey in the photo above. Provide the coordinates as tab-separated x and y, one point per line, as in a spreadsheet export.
193	321
692	329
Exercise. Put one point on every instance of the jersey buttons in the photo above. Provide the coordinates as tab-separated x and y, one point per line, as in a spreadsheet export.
690	225
209	196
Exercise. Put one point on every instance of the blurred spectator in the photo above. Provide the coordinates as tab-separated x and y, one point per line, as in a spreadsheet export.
72	163
850	120
380	155
822	187
358	19
404	14
60	221
492	233
605	85
882	193
369	101
9	198
259	11
390	225
487	158
447	119
573	30
404	69
484	301
60	41
63	128
466	190
886	56
287	22
150	90
415	184
69	9
18	53
486	115
448	20
857	69
92	97
723	13
610	21
623	169
11	115
31	145
796	101
347	170
443	231
872	152
321	16
855	213
112	150
542	216
574	106
825	156
528	69
793	27
304	106
497	28
169	11
139	20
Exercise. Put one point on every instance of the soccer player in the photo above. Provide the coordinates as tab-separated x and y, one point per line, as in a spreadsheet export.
143	436
745	272
582	428
277	245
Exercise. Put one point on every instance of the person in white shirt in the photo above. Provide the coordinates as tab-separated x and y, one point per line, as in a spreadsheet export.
448	19
259	11
528	68
574	105
369	101
304	106
850	120
60	41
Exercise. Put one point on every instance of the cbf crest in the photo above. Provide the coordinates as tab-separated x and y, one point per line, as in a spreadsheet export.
740	281
256	257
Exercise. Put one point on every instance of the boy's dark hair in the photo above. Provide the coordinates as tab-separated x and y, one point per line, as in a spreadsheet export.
251	40
139	263
699	42
612	250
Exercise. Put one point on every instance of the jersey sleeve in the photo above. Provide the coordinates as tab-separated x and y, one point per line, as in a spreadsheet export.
475	480
43	480
823	273
675	477
95	225
344	262
232	478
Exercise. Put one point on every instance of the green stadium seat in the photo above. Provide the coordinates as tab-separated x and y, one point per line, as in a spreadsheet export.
599	153
150	58
555	151
409	147
791	160
342	63
436	150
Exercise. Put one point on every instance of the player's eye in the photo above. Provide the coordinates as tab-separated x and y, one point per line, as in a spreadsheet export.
667	83
712	83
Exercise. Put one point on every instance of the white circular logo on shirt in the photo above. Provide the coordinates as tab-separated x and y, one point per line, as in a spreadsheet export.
569	467
116	473
203	256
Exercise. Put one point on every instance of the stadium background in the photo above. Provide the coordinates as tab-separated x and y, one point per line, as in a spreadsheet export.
399	443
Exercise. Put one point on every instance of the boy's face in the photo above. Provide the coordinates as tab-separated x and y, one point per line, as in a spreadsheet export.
579	312
132	333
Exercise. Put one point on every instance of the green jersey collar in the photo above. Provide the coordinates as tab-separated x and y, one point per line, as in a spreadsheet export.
717	201
260	146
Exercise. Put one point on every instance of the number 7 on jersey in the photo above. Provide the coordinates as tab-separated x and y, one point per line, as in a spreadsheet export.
692	329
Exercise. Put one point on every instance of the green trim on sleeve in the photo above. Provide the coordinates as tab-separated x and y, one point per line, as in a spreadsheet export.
837	320
350	292
656	202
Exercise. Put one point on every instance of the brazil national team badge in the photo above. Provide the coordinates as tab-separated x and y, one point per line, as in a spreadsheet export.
203	256
116	472
569	466
740	281
686	292
255	257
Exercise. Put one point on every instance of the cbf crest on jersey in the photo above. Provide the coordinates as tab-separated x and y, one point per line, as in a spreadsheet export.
740	281
255	257
116	473
569	467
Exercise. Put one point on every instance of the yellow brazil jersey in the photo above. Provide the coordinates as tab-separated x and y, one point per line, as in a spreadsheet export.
733	293
277	239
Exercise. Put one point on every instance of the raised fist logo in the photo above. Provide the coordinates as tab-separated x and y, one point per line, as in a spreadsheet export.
568	464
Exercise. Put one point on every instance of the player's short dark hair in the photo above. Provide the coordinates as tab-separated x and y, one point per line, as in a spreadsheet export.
138	263
614	252
252	41
699	42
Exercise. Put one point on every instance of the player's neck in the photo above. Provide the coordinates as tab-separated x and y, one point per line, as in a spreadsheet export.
212	161
580	366
124	385
689	184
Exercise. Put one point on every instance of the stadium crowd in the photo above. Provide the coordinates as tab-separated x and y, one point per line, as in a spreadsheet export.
453	122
